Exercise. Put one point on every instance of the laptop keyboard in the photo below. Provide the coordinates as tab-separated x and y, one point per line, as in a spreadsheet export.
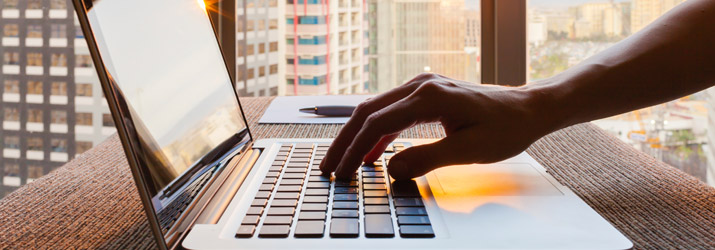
173	210
295	200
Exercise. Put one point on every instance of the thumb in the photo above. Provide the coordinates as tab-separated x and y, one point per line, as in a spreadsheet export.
418	160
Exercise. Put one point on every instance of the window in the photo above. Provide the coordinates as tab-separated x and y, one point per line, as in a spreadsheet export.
59	60
59	145
12	170
34	4
58	4
34	31
34	171
83	89
107	120
11	58
274	69
11	114
34	88
84	61
34	59
58	31
84	119
273	24
261	25
249	25
11	142
250	74
12	86
261	71
249	49
58	117
273	3
273	46
34	143
10	4
82	146
59	89
261	48
10	30
34	115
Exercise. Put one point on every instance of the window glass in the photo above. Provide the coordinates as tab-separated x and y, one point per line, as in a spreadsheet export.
11	114
84	61
34	171
107	120
58	31
34	115
12	87
58	4
34	4
59	60
34	88
10	4
84	118
11	58
83	89
59	89
34	59
58	117
34	31
10	30
59	145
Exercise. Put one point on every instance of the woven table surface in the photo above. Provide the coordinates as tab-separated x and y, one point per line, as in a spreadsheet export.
92	201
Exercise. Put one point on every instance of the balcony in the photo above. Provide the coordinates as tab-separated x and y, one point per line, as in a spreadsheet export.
308	29
33	14
10	13
312	49
307	70
305	10
58	14
10	41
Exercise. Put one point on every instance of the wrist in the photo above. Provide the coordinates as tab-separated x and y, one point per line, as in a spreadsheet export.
544	101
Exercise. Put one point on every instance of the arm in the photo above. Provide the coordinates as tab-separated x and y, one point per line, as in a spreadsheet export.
670	58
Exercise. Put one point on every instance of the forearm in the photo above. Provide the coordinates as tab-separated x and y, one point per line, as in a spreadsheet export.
673	57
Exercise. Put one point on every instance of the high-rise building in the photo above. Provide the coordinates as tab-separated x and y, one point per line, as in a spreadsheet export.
326	45
409	37
644	12
599	19
52	104
259	65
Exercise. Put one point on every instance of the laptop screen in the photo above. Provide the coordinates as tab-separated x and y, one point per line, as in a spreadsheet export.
163	57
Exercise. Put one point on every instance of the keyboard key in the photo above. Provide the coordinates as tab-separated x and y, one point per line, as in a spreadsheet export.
315	172
410	211
300	160
284	203
376	201
344	228
318	157
373	180
245	231
266	187
291	182
413	220
345	197
345	183
373	174
270	180
297	165
279	163
287	195
318	178
296	170
255	211
283	153
315	199
368	168
346	190
303	145
293	175
410	231
409	202
315	191
314	207
274	231
259	202
320	153
300	155
377	209
281	211
275	169
278	220
374	186
378	226
311	216
345	214
318	184
250	220
286	147
280	158
375	193
405	189
273	174
345	205
289	188
309	229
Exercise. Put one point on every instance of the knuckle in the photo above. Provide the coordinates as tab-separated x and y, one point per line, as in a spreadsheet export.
372	119
428	88
362	110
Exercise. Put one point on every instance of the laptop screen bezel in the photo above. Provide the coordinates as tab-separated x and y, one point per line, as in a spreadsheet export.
128	135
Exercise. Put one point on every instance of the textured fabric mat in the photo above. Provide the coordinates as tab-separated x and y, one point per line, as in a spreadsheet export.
91	202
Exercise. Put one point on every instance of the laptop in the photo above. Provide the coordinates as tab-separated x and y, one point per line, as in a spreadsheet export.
206	183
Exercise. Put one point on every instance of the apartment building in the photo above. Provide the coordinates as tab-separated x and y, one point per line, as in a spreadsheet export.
260	67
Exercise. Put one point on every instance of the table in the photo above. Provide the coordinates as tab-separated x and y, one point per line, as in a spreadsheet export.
92	202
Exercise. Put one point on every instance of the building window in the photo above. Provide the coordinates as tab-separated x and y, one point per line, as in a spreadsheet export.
249	49
34	4
273	46
58	31
59	88
11	142
34	59
107	120
273	24
9	4
34	143
34	115
262	71
12	170
34	172
261	25
249	25
83	89
82	146
34	88
58	4
250	73
58	117
59	60
10	30
84	61
273	3
59	145
84	119
274	69
34	31
261	48
12	87
11	58
11	114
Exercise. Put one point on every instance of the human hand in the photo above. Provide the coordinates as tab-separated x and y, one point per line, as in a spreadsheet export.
483	123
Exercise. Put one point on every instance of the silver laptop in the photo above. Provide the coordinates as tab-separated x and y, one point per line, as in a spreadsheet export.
205	183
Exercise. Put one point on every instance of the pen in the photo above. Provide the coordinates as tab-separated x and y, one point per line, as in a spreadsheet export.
333	110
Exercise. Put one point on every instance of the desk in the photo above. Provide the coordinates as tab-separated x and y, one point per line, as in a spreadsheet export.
92	202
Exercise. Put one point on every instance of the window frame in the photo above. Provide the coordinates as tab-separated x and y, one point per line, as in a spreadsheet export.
504	45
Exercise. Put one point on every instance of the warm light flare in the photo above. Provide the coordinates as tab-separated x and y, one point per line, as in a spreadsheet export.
202	4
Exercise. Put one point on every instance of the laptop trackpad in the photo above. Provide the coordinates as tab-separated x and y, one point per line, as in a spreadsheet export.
499	179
